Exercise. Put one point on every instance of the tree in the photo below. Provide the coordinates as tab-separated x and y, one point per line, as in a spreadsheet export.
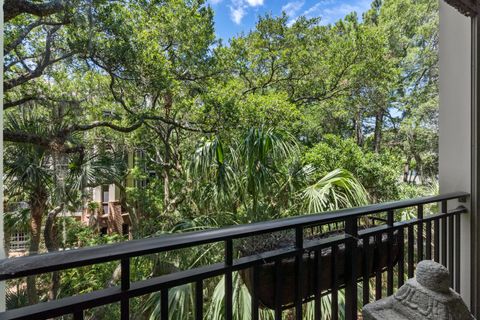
412	31
290	117
47	180
13	8
261	177
27	173
160	72
378	173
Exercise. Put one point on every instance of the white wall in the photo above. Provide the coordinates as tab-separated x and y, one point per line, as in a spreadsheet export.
455	119
113	193
97	194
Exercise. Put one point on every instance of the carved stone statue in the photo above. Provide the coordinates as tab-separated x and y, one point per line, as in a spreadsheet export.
427	296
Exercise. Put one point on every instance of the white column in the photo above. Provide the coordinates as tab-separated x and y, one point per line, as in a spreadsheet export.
455	120
97	194
113	193
2	241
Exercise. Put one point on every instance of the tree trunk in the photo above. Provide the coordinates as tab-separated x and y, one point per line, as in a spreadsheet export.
378	130
166	188
168	103
13	8
406	170
419	162
51	242
37	204
357	122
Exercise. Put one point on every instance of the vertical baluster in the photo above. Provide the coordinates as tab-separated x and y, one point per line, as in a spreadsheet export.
436	240
318	284
228	279
366	270
199	300
390	222
164	304
420	233
255	293
334	283
278	290
125	285
410	252
457	253
351	264
450	248
443	239
299	272
78	315
428	240
378	271
401	257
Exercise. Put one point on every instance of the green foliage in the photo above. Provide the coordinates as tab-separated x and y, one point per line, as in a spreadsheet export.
264	173
289	118
337	189
378	173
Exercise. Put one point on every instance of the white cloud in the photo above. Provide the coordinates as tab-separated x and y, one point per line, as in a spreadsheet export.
317	7
215	1
237	14
255	3
331	11
238	8
292	8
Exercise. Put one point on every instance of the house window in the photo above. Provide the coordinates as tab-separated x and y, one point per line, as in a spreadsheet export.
139	161
19	241
105	198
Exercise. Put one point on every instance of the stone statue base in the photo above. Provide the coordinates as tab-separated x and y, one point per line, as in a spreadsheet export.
427	296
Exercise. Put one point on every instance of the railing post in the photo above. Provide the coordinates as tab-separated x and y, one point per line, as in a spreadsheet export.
390	222
366	270
299	272
199	300
255	304
125	285
401	257
420	233
443	237
450	249
318	284
334	303
378	272
78	315
278	290
351	228
228	280
164	304
457	253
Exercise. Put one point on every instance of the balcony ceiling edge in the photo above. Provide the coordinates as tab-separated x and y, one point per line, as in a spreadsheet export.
469	8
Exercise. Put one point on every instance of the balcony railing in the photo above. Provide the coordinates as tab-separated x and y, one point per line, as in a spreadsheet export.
351	255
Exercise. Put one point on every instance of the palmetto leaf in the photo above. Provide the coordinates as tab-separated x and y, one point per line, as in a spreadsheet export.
241	302
338	189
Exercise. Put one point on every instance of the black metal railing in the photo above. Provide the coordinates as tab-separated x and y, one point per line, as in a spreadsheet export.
353	258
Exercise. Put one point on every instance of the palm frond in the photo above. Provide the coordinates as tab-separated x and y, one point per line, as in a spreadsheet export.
336	190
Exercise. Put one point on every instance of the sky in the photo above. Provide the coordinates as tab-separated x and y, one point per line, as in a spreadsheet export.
235	16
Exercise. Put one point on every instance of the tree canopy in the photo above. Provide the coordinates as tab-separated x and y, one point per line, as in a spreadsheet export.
286	119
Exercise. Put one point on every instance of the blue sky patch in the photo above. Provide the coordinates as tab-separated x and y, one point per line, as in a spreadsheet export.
235	16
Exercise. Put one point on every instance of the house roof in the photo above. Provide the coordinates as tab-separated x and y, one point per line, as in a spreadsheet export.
469	8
